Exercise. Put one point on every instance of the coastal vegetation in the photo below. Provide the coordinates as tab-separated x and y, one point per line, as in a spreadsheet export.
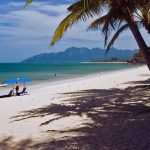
113	59
137	58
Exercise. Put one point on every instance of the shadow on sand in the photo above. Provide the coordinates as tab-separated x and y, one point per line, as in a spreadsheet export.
120	120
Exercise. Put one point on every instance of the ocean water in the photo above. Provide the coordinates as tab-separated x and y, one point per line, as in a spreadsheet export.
43	72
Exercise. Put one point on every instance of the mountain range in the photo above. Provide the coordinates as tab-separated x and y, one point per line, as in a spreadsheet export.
83	54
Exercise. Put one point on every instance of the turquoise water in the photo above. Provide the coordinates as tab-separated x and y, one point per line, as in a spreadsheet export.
39	72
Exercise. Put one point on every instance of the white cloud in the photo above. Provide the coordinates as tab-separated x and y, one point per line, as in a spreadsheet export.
30	23
34	26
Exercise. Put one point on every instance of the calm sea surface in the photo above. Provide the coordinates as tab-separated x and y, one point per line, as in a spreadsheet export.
39	72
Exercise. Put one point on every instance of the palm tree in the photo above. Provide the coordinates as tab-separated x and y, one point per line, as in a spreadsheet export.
143	18
120	14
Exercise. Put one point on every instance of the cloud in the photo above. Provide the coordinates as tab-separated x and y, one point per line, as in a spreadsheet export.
30	23
30	29
39	22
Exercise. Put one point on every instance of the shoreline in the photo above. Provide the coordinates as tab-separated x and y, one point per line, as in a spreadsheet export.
43	95
79	78
122	62
36	84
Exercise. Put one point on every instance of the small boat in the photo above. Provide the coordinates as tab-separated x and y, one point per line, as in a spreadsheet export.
3	85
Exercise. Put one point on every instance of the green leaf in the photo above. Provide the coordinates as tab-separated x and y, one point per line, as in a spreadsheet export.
116	35
28	2
63	26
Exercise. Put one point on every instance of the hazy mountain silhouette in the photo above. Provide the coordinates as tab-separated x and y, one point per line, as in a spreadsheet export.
83	54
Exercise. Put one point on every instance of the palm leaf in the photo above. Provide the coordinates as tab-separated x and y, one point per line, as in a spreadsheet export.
97	23
63	26
76	15
114	18
93	6
108	22
86	4
116	35
28	2
145	18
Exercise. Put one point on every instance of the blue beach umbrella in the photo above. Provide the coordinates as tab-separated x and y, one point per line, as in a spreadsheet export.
18	80
24	80
11	81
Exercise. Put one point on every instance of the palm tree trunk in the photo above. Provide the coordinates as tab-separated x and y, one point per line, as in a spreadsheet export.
138	37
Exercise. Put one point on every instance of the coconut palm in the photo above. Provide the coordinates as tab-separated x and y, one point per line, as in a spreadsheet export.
145	14
143	19
120	14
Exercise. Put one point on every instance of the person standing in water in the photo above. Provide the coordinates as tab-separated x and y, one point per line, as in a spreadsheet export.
101	73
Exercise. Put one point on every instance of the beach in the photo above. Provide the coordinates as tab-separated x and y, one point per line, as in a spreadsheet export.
76	113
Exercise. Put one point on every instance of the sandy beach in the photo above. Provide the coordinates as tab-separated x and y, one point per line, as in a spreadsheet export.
107	112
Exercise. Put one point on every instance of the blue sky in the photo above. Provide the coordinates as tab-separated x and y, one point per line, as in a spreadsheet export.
25	32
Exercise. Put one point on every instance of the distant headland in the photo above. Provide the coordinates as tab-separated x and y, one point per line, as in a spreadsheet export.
83	54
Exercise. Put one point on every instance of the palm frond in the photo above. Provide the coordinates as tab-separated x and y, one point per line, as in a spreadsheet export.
97	23
28	2
86	4
110	23
102	21
145	11
75	15
92	6
114	18
116	35
67	22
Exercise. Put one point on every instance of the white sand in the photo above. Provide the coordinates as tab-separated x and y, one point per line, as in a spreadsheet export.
46	94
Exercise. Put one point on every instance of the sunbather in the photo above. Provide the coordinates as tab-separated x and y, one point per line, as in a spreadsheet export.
23	92
9	95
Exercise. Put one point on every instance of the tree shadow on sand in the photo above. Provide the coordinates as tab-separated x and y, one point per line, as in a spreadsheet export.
9	144
120	119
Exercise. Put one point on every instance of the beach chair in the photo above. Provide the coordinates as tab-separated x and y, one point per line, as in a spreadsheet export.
9	94
23	92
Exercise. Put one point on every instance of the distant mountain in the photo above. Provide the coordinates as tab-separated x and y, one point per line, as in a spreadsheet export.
83	54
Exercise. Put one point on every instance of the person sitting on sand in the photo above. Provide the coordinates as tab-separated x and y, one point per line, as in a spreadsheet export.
17	87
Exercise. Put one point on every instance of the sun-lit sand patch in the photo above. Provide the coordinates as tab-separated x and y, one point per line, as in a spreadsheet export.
48	109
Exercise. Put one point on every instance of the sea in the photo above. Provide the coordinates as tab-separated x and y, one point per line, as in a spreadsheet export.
54	72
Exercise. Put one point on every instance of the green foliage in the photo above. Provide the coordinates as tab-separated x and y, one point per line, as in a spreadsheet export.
75	16
28	2
144	9
113	20
138	58
67	22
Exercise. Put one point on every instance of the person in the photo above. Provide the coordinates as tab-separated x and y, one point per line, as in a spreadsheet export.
17	88
101	74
